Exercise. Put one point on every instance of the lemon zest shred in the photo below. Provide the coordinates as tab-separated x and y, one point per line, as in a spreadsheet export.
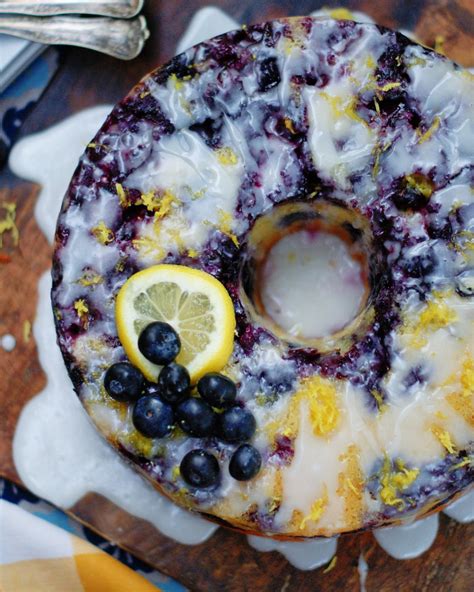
226	156
388	86
103	233
463	240
376	167
148	245
159	203
321	396
377	106
149	200
395	481
436	315
176	82
175	235
317	510
324	413
352	486
463	463
98	145
381	405
461	385
121	195
90	279
467	377
370	62
175	472
420	184
405	478
444	437
274	504
224	225
81	308
424	137
198	194
331	565
8	224
289	125
340	108
192	253
26	331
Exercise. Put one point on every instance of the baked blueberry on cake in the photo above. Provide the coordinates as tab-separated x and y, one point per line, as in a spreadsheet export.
309	126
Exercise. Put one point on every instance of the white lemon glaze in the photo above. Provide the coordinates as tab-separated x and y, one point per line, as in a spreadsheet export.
44	220
312	287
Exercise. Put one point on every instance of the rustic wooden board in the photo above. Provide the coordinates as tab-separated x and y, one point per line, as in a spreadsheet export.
225	562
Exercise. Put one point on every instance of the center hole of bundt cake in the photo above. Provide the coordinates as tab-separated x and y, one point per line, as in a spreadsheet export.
306	272
311	285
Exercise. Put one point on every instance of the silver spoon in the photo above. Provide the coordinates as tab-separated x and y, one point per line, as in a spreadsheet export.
121	39
114	8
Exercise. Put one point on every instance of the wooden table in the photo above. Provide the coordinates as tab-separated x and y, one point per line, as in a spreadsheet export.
225	562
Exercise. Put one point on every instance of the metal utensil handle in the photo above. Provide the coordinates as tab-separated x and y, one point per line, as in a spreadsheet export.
113	8
122	39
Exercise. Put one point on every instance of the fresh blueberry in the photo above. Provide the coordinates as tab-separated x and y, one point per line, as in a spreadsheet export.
174	383
218	390
199	468
237	425
245	463
414	194
152	417
269	74
123	382
159	343
410	200
440	229
196	417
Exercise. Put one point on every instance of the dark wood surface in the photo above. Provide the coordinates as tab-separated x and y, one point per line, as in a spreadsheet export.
225	562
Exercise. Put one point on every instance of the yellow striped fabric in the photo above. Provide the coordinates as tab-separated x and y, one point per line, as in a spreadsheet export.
36	556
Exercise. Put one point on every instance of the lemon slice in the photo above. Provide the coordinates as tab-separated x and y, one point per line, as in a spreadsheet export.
197	306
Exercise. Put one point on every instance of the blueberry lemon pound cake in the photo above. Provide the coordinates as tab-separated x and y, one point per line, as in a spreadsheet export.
299	124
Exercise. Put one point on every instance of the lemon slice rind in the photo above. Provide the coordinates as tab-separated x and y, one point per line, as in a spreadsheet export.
195	303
